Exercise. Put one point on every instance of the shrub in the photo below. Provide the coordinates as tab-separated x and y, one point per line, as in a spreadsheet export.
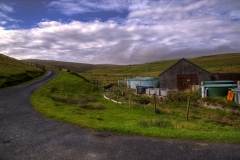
72	99
183	96
80	76
155	123
92	106
221	101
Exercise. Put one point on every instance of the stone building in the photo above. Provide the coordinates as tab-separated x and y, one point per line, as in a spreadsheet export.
183	74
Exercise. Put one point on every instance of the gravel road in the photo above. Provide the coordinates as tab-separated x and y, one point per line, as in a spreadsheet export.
26	134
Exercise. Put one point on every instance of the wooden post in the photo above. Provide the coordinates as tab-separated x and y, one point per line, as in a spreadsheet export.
129	101
188	103
155	103
117	97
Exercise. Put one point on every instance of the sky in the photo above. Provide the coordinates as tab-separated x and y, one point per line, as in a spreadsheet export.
118	31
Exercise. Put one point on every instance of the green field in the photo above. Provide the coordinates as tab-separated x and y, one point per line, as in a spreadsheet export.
71	99
14	72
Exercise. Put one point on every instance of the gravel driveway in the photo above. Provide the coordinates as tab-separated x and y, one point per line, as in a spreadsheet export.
26	134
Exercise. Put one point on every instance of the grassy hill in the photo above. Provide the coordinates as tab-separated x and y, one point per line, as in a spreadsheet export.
216	63
56	65
13	72
223	63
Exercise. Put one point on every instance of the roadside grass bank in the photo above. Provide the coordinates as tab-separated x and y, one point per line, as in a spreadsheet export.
14	72
72	99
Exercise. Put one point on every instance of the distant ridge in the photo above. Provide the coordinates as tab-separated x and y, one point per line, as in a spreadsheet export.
72	66
219	63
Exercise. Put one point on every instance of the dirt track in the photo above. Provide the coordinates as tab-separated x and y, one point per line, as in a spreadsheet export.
26	134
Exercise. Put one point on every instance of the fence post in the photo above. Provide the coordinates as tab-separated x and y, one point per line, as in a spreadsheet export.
117	97
129	101
188	103
155	103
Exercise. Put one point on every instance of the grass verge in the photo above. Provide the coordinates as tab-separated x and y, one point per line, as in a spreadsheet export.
71	99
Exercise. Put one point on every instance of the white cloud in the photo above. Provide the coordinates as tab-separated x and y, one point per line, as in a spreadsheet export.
235	14
3	16
4	11
3	22
166	31
6	8
70	7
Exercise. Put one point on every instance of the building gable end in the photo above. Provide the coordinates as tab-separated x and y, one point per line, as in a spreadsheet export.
181	61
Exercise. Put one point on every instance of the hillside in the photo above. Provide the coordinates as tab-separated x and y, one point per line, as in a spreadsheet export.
216	63
56	65
223	63
13	72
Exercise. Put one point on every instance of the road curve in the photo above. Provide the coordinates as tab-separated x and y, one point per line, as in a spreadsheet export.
26	134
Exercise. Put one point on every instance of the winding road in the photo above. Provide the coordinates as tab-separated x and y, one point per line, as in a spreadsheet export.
26	134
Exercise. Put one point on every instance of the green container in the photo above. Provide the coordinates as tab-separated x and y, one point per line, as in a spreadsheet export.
220	90
218	82
217	88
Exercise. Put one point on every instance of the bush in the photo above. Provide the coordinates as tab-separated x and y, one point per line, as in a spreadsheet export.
80	76
183	96
155	123
221	101
64	99
92	106
72	99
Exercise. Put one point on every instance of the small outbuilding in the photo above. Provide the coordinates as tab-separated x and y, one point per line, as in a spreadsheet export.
65	70
183	74
225	76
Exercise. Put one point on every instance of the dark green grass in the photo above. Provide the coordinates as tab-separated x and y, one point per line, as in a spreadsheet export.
14	72
71	99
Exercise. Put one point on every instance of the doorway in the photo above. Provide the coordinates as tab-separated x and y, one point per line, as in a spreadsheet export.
185	80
